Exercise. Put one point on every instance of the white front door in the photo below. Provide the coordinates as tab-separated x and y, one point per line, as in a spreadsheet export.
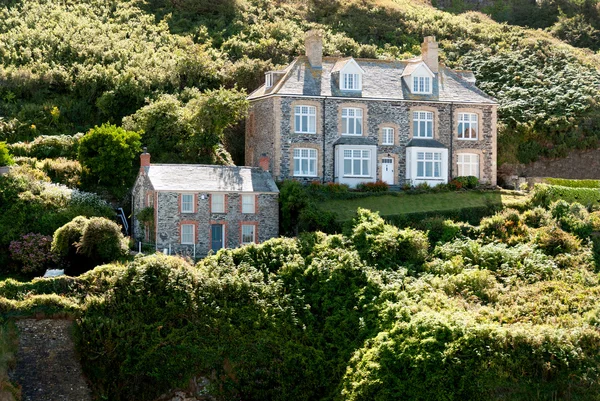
387	170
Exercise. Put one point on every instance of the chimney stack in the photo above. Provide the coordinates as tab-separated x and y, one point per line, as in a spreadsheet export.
264	162
313	41
145	159
429	53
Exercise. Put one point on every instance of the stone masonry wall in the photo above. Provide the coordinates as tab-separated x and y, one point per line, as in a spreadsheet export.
138	202
377	114
260	132
170	219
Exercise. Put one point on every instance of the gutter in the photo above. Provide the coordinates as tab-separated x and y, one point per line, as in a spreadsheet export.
323	132
451	156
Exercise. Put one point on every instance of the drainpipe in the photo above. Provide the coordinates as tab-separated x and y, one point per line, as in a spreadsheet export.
323	132
451	155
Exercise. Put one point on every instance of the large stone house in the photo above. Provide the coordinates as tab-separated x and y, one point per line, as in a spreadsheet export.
352	120
197	208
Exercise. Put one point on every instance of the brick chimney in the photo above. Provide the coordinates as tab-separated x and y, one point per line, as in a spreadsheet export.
144	159
313	41
429	53
264	162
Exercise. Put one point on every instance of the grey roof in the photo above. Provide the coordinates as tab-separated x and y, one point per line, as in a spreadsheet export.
359	140
382	80
197	177
425	143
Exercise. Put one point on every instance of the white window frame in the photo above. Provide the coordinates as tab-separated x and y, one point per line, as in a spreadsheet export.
364	159
268	79
352	117
248	204
246	226
432	159
468	163
421	84
217	203
305	119
386	134
185	203
351	81
468	122
307	155
422	116
183	234
149	200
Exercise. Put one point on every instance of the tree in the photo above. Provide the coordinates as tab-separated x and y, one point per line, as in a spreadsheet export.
107	154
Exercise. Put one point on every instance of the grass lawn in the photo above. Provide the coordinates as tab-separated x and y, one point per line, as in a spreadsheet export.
429	202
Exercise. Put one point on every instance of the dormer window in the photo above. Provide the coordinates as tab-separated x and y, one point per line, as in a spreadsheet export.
351	82
421	85
268	80
351	74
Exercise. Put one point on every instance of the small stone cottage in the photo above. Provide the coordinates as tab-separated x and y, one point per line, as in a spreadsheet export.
347	120
192	209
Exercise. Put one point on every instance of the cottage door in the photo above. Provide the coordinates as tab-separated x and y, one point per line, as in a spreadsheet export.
387	170
217	237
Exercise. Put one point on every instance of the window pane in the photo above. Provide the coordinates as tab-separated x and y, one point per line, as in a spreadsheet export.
365	167
312	121
312	170
344	125
296	166
429	129
248	203
420	169
217	203
437	169
304	123
348	166
350	126
356	166
460	130
359	126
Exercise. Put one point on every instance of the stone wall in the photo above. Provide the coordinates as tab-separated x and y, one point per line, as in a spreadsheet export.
260	133
577	165
377	114
169	220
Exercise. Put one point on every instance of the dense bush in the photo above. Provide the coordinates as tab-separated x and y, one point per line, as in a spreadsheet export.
85	243
506	225
553	241
62	171
33	253
107	155
5	157
563	182
468	182
378	186
544	194
48	146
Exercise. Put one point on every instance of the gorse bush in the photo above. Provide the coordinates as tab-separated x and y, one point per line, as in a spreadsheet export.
48	146
5	157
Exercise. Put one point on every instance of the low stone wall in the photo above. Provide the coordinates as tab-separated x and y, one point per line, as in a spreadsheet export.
578	165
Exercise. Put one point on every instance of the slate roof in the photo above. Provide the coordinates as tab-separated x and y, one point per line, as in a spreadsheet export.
361	140
197	177
382	80
424	143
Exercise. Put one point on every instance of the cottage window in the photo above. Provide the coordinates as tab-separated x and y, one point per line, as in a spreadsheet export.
268	79
305	119
421	85
467	126
429	165
187	203
248	204
468	164
356	162
423	124
248	234
387	136
217	203
352	120
149	200
305	162
187	234
351	82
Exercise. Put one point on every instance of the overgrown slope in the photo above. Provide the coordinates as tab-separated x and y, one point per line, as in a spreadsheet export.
66	66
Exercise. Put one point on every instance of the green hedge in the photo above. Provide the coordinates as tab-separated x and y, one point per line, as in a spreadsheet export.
471	215
544	194
573	183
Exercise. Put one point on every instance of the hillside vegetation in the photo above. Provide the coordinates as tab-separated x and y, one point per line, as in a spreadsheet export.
505	310
68	66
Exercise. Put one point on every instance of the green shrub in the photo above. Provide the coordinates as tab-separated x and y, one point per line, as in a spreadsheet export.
554	241
292	200
563	182
5	157
440	229
506	225
468	182
378	186
536	217
63	171
544	194
386	246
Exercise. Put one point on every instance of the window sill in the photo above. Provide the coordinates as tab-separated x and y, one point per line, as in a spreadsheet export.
386	144
428	179
305	133
357	176
351	90
422	137
187	243
422	93
467	139
187	212
305	176
351	134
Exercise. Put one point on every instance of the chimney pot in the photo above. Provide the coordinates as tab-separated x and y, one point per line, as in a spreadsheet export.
313	42
264	162
144	159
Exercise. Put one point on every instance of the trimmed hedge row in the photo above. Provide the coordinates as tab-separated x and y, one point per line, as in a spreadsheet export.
563	182
544	194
